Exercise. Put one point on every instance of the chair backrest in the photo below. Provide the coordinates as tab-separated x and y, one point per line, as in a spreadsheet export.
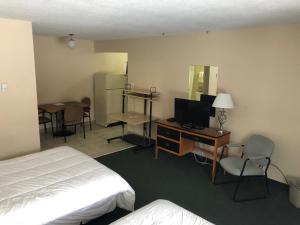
258	145
87	101
73	113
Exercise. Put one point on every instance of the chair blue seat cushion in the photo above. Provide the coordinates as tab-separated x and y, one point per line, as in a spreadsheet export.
234	165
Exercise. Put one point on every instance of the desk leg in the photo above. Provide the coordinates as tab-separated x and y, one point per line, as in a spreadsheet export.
214	166
226	155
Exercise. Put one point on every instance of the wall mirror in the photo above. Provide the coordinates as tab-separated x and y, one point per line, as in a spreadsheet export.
202	80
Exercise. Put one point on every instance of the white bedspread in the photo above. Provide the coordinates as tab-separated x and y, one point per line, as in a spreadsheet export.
49	185
161	212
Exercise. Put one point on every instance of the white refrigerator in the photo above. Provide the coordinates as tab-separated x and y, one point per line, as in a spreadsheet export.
108	90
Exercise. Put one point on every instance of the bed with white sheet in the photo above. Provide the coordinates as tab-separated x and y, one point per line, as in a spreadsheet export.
161	212
59	186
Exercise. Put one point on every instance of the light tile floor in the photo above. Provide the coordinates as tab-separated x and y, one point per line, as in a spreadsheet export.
94	145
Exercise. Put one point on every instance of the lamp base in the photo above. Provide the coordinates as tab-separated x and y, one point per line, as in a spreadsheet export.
220	131
222	119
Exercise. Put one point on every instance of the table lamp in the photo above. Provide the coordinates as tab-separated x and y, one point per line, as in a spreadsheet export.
223	101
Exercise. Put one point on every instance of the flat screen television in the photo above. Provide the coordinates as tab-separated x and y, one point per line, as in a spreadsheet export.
209	99
194	112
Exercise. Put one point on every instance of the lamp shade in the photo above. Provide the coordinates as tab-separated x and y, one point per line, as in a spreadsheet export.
223	100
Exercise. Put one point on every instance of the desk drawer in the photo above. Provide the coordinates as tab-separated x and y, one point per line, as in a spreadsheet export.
170	145
169	133
198	139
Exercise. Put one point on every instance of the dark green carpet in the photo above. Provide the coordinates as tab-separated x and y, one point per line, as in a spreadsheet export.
187	183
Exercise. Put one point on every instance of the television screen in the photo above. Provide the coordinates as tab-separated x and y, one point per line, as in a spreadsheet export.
195	112
180	112
209	99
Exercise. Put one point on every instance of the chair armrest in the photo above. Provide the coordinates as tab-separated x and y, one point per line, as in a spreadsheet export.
260	160
230	146
235	145
257	157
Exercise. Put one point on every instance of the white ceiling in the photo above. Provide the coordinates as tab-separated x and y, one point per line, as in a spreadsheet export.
115	19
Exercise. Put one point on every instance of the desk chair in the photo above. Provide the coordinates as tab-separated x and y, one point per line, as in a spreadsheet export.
73	116
254	162
43	119
87	110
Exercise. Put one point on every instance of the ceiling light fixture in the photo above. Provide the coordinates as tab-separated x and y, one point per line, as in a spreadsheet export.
71	41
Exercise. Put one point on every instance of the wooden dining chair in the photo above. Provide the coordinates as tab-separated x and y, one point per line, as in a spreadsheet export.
87	110
73	116
43	119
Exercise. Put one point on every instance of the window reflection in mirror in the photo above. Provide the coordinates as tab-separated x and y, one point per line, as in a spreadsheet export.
202	80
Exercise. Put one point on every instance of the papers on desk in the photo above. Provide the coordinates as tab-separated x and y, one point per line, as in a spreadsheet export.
58	104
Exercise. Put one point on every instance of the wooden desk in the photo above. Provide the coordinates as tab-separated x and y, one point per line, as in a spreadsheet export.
172	138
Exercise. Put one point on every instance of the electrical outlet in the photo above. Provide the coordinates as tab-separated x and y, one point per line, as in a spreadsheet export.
3	87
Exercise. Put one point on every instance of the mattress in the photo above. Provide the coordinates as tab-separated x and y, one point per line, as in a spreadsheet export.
60	185
161	212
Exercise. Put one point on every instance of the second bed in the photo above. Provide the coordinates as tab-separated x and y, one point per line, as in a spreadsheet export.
59	186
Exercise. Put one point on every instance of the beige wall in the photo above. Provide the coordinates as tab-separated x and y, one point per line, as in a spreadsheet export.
18	115
62	73
260	67
65	74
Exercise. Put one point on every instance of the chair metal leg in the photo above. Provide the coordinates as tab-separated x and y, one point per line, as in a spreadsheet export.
236	189
266	176
90	121
51	117
217	171
247	199
64	130
241	178
267	184
56	122
45	128
83	131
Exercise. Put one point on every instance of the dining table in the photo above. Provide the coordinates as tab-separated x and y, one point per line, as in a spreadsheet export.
57	109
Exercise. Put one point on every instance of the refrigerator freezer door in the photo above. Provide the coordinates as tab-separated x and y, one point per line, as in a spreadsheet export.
115	81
